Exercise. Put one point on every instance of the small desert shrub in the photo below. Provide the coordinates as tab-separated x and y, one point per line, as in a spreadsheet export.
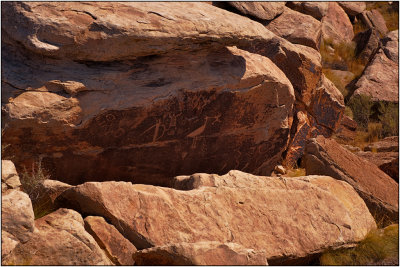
374	132
379	244
296	172
32	181
338	81
389	117
348	112
361	106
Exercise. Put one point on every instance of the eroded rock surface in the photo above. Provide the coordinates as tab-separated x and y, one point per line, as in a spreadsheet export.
379	191
261	213
297	28
200	253
259	10
388	162
336	25
353	8
9	176
315	9
391	45
367	44
60	239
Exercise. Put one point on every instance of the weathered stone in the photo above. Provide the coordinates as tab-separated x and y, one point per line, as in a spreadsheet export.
391	45
353	8
336	25
160	122
367	44
201	253
8	243
388	144
379	80
60	240
388	162
377	21
315	9
118	249
9	175
379	191
17	215
256	212
297	28
346	130
352	148
259	10
54	188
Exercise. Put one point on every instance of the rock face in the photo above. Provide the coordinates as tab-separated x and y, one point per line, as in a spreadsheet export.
347	129
118	249
60	239
9	176
133	116
375	19
201	253
388	144
353	8
391	45
380	193
336	25
259	10
297	28
367	44
238	207
315	9
388	162
380	79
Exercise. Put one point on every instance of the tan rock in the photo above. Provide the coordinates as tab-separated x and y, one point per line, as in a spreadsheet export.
9	175
315	9
240	208
353	8
391	45
388	162
380	79
60	240
377	21
118	249
200	253
379	191
259	10
336	25
297	28
8	243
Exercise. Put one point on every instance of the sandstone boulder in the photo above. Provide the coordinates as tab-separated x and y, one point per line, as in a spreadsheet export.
336	25
315	9
9	175
353	8
388	144
259	10
117	247
377	21
388	162
367	44
391	45
60	240
262	213
347	129
201	253
297	28
380	193
379	80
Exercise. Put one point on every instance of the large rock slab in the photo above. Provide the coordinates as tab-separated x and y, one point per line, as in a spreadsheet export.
336	25
259	10
60	240
380	79
261	213
315	9
388	162
297	28
379	191
117	247
200	253
353	8
168	115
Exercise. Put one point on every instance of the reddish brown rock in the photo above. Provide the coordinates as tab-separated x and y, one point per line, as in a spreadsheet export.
388	162
367	44
60	239
388	144
379	191
9	176
315	9
347	129
391	45
262	213
336	25
118	249
259	10
201	253
380	79
353	8
297	28
377	21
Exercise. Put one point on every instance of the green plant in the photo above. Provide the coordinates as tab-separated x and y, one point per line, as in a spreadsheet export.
361	106
32	184
389	117
379	245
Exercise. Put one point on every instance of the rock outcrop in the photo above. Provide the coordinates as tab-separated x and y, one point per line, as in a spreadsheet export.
118	249
201	253
388	144
353	8
336	25
297	28
9	176
374	19
60	239
391	45
261	213
259	10
367	44
379	191
347	129
315	9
